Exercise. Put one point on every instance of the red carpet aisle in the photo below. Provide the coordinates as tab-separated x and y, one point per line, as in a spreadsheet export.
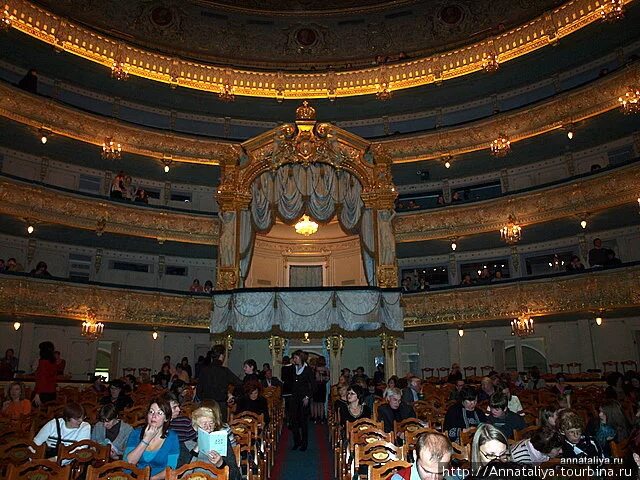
314	464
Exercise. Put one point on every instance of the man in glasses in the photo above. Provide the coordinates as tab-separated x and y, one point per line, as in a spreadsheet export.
433	455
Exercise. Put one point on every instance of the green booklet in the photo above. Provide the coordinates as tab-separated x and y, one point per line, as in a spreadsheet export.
213	441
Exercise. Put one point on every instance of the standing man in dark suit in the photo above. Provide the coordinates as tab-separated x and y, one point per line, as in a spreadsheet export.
215	379
301	393
269	380
287	374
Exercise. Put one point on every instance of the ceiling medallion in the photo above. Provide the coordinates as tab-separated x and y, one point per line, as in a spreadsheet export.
227	94
490	63
119	70
306	226
512	232
111	150
501	146
630	101
612	10
522	326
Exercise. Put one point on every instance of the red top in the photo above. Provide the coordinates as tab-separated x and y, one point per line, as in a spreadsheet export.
46	381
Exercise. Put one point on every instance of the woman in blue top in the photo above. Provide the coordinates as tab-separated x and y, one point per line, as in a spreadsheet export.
154	445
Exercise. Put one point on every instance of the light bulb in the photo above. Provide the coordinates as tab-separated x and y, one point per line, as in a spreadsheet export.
155	335
447	164
583	224
570	134
454	246
30	229
598	321
166	169
461	332
16	326
43	139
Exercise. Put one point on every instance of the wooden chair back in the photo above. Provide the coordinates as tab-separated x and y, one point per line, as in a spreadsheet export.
384	471
362	424
556	366
619	449
427	373
609	366
376	453
470	371
466	437
486	369
119	470
82	454
197	471
408	425
524	433
574	365
38	470
372	435
18	453
412	436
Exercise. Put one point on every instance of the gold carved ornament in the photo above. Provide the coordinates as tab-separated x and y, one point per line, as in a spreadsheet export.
65	34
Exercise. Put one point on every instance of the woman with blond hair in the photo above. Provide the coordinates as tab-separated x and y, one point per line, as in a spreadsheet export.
209	420
489	445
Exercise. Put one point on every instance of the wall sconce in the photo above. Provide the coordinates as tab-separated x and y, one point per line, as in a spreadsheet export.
44	135
16	326
461	332
155	335
305	338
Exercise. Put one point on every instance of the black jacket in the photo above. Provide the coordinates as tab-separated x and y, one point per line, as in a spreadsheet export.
304	383
213	382
388	416
287	375
275	382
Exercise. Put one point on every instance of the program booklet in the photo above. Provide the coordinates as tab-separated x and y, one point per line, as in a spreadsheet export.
213	441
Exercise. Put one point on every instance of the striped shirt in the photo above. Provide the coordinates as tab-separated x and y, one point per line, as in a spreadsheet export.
182	426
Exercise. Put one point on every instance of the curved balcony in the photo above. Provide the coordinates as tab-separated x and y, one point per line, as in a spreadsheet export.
54	205
75	38
554	295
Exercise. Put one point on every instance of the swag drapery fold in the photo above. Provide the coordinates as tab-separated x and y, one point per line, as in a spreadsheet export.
317	190
306	311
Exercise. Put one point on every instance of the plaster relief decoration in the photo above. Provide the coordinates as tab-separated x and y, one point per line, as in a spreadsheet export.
308	168
357	310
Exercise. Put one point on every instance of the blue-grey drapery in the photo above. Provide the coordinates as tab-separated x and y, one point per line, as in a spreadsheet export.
307	311
317	190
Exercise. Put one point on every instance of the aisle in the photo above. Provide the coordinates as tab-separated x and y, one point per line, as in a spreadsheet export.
314	464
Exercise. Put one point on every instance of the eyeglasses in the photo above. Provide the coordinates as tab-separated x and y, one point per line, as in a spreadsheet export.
493	456
159	413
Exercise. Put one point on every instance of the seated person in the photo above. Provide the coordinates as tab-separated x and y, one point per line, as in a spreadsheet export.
110	430
163	377
455	393
561	387
394	411
413	391
501	417
354	408
117	396
535	382
514	402
575	265
575	444
433	455
154	444
489	447
181	424
464	415
270	381
66	430
543	445
209	420
613	425
253	401
16	405
598	255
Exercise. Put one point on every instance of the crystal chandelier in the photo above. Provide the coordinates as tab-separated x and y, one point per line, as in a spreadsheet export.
511	232
500	146
5	21
630	101
111	150
92	330
306	226
227	94
384	93
490	63
119	70
612	10
522	326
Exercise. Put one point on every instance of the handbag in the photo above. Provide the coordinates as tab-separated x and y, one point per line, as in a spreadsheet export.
53	451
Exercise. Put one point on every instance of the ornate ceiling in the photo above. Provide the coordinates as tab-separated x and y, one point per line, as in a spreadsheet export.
300	34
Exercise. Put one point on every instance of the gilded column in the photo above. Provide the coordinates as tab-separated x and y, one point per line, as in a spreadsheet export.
277	345
335	344
389	346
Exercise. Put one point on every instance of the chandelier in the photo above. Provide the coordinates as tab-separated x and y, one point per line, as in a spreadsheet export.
306	226
490	63
92	330
522	326
630	102
500	146
5	21
612	10
511	232
119	70
111	150
384	93
227	94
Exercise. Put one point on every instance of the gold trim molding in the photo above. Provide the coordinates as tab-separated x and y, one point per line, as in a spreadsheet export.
591	194
47	205
74	38
49	298
588	292
594	99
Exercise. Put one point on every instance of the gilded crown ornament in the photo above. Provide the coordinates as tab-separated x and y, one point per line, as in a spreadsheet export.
305	112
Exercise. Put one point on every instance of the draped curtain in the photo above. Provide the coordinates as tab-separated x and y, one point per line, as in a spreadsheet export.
317	190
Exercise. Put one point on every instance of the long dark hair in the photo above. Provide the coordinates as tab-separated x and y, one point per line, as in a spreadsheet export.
46	351
163	405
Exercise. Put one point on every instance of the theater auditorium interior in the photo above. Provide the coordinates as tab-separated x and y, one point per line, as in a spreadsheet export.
336	240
